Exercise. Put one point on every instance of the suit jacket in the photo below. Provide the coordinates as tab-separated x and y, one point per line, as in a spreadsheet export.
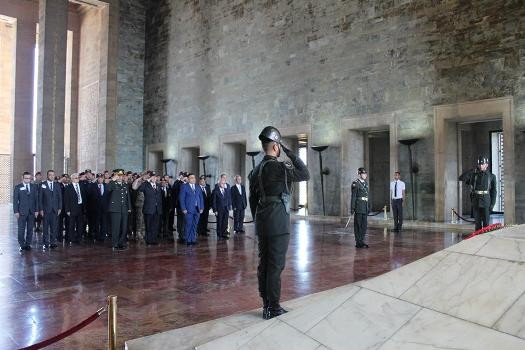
152	198
71	200
206	197
191	200
220	201
167	201
50	201
119	198
25	203
99	201
239	201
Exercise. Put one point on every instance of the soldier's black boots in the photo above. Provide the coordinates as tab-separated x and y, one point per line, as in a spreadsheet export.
271	312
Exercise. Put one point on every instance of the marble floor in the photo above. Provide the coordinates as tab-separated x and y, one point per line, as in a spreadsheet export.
469	296
171	286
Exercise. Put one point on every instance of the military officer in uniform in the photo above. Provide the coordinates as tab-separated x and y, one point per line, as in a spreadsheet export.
484	191
119	208
270	184
359	207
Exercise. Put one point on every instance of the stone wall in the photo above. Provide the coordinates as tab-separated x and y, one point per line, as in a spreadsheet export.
234	67
130	79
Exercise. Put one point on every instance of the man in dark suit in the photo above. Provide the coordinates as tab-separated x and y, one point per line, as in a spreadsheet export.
25	208
221	204
202	228
37	182
99	195
152	208
183	178
50	207
119	207
192	205
74	205
239	204
165	190
63	220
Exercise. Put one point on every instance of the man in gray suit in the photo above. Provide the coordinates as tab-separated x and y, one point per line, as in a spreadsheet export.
25	207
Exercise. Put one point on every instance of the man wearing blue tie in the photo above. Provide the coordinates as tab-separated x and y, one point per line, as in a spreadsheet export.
192	205
25	208
50	206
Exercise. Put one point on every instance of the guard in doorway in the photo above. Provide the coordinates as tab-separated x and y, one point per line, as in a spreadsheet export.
360	207
484	191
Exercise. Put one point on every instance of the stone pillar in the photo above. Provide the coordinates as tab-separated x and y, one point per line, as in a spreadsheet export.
52	48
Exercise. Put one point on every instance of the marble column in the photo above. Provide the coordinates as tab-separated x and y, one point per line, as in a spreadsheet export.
22	155
52	47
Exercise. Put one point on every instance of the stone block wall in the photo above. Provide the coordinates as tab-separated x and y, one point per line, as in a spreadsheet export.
221	67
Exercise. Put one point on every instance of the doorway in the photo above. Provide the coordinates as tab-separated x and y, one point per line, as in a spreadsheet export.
155	162
233	159
190	160
378	166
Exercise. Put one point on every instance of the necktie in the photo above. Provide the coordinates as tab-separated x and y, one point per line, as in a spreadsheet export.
78	194
395	190
100	189
192	187
27	188
222	191
51	186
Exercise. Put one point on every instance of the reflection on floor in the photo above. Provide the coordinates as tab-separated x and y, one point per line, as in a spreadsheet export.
170	286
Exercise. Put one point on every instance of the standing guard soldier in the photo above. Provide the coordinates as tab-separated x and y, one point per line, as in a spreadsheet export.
484	192
119	208
360	208
270	184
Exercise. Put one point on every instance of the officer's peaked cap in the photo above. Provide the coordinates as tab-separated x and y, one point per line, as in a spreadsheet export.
269	134
361	171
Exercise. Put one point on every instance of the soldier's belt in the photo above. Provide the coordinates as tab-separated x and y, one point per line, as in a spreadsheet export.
481	192
363	198
270	199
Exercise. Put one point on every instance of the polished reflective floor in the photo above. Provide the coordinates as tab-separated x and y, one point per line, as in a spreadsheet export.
170	286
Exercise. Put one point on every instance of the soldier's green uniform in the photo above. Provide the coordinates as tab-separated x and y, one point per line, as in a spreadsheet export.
118	208
270	184
484	191
360	208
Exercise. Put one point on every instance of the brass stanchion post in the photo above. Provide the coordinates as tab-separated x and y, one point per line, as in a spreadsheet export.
112	322
452	217
385	213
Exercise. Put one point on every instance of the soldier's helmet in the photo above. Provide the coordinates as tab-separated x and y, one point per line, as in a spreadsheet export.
483	160
269	134
361	171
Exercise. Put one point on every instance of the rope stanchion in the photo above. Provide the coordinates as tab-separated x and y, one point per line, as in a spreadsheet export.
67	333
461	217
488	228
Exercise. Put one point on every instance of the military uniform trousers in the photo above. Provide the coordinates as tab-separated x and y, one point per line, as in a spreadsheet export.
25	229
271	222
119	228
482	216
360	226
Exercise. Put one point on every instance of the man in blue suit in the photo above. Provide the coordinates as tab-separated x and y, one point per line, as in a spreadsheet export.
25	207
192	205
50	206
239	204
221	205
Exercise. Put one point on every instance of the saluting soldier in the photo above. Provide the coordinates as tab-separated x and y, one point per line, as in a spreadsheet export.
270	184
484	192
360	208
119	208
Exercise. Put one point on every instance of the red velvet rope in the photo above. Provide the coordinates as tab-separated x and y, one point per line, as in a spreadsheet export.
485	229
67	333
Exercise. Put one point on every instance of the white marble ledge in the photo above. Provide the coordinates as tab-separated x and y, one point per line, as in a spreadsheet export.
513	321
516	232
470	246
430	330
470	287
504	248
396	282
364	321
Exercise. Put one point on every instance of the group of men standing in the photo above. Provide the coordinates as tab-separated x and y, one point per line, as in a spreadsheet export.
123	206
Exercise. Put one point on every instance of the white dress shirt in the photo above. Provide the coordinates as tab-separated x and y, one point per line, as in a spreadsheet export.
400	189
